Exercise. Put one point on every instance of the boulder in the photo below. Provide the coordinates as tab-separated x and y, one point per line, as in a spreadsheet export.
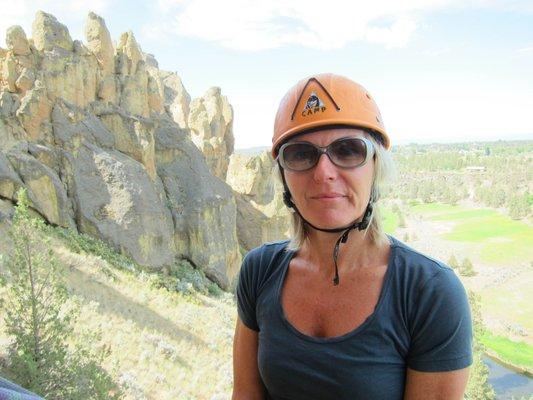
16	41
116	200
48	33
211	121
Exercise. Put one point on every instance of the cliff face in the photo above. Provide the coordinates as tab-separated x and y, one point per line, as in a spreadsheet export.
261	214
103	142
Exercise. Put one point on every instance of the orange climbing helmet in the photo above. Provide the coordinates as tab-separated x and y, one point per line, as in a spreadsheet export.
325	100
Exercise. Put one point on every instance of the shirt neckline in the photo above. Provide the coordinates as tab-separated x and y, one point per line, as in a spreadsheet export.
358	329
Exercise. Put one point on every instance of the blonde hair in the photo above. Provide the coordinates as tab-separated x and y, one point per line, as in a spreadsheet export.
383	171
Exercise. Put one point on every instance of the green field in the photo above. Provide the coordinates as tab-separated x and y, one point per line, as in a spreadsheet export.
519	354
502	239
390	220
512	300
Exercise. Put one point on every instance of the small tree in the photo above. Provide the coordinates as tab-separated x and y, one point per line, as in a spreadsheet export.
401	220
519	207
40	324
467	268
452	262
478	387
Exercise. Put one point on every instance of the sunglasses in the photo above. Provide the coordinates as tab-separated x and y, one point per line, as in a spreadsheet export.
344	153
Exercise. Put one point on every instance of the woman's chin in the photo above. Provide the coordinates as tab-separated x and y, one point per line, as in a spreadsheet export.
326	222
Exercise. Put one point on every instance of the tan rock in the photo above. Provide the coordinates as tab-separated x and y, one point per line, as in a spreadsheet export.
134	93
9	180
117	201
35	108
177	99
155	98
9	104
73	126
48	33
25	80
9	73
107	90
211	122
100	44
45	190
16	41
261	214
70	76
202	206
128	54
134	138
11	131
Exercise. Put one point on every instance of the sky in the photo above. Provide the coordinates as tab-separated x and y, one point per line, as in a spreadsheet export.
440	70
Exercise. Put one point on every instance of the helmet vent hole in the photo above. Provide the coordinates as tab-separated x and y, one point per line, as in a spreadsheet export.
368	97
377	119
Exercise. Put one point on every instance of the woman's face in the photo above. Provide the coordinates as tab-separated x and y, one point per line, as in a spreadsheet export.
326	195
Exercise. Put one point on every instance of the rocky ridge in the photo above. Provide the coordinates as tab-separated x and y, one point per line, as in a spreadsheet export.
108	144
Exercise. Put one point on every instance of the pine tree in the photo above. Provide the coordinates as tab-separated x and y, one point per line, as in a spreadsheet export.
467	268
478	387
452	262
38	321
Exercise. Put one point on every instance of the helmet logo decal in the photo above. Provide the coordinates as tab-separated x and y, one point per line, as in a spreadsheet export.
313	104
313	101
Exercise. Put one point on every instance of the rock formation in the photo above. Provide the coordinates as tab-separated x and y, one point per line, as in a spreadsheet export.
100	138
211	121
261	214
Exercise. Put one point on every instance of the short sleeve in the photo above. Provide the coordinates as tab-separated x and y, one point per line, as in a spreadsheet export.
247	294
441	327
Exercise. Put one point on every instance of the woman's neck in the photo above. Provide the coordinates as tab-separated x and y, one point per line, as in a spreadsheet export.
357	252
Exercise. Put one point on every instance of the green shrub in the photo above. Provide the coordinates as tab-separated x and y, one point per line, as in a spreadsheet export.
44	357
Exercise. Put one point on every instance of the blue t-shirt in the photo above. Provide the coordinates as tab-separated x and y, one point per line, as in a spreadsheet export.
421	321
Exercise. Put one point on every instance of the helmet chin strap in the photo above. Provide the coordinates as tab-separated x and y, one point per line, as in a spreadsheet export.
359	225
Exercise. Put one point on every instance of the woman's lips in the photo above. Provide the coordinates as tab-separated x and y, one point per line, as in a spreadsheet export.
327	196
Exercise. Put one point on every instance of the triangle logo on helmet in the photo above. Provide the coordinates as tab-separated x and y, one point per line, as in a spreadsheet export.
313	104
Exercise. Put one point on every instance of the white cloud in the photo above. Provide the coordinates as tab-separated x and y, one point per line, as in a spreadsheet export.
528	49
254	25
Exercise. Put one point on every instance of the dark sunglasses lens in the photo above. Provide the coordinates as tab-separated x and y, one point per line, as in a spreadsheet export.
299	156
348	152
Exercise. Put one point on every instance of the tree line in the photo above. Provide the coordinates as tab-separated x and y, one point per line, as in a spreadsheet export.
495	174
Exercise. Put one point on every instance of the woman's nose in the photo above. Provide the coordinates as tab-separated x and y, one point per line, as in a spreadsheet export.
324	169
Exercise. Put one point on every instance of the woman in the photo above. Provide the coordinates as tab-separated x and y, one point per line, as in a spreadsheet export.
344	311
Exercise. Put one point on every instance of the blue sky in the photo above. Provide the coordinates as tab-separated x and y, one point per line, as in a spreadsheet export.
440	70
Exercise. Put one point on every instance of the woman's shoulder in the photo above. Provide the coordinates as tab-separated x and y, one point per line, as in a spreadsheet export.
266	251
420	269
261	262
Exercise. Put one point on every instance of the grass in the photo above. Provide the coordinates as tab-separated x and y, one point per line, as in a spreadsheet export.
502	239
511	301
518	354
169	333
390	220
